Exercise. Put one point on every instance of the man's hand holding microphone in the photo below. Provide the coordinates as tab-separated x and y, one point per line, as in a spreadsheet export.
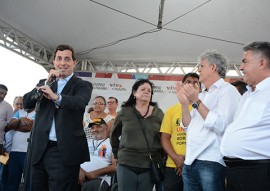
54	75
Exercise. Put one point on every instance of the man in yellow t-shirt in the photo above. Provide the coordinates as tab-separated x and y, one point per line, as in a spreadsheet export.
173	140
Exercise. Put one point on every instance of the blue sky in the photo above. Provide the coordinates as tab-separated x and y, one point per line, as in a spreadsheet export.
19	74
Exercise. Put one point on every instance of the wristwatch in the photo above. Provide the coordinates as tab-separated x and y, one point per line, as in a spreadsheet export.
58	95
196	104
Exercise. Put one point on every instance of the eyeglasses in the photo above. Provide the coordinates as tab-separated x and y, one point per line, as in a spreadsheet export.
110	102
18	103
99	103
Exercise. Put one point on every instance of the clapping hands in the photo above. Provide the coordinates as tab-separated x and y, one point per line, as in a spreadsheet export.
187	93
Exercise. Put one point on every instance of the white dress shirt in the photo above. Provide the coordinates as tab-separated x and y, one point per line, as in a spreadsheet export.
204	136
248	136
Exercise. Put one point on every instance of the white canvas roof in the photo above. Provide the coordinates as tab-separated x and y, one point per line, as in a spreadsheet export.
188	27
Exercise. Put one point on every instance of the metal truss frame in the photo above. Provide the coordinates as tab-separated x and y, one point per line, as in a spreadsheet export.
23	45
146	67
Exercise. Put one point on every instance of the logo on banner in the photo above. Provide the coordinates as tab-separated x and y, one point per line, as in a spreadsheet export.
171	89
117	87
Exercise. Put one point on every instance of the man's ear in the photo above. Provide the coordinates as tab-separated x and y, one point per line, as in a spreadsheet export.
214	67
264	64
74	63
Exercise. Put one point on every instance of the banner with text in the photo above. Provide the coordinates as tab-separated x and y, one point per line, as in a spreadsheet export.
164	92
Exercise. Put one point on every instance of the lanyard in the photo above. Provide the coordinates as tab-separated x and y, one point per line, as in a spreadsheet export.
95	148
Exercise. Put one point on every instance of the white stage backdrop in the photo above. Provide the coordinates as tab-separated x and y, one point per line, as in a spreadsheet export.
119	86
164	93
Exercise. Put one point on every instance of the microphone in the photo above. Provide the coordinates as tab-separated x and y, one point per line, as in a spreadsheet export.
39	94
60	72
56	75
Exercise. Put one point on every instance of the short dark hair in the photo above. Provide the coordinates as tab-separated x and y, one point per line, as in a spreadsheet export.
116	100
3	87
63	47
191	74
242	86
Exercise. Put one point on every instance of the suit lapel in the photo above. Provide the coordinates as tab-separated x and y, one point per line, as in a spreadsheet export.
69	85
54	86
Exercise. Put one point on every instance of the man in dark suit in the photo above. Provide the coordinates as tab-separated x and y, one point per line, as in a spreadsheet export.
58	144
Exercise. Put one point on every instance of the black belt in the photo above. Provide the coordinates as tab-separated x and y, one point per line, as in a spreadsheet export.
233	162
52	143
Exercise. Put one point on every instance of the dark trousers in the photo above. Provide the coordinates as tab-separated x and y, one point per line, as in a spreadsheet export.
96	184
249	178
128	180
51	174
159	186
16	169
172	182
3	176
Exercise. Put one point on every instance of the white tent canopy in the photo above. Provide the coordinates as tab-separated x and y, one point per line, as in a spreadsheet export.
35	28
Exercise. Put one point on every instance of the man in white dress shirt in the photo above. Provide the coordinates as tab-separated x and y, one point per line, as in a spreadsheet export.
246	141
213	110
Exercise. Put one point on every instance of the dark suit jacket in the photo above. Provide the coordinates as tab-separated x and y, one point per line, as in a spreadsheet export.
70	135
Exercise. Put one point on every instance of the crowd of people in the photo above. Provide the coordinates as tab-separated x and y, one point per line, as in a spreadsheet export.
214	139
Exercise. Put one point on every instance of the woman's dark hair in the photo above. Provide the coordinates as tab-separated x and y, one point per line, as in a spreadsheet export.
90	109
101	98
132	100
